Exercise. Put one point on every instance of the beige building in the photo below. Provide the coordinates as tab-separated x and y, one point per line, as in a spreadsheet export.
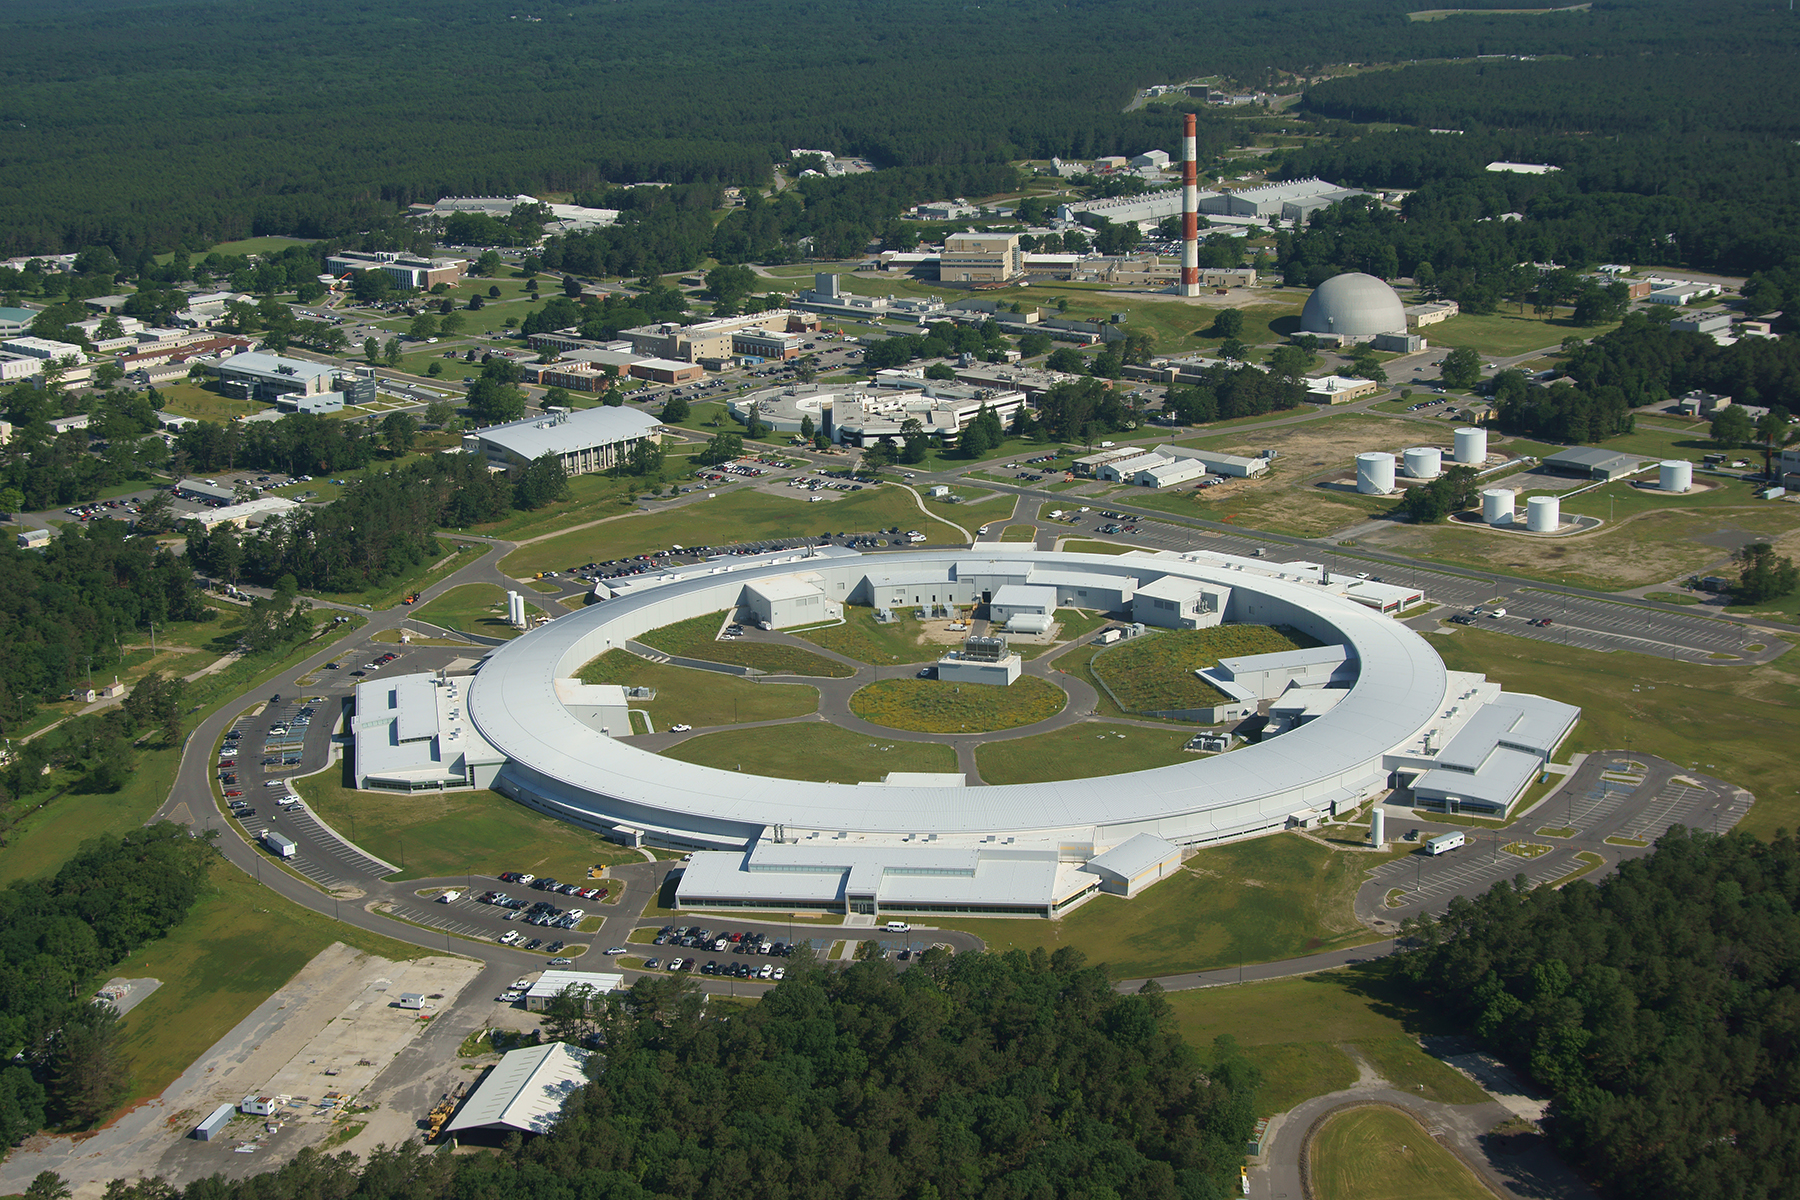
981	258
713	339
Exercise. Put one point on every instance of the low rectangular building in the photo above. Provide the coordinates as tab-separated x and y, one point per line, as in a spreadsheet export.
790	600
981	258
1235	465
263	507
1168	472
1339	389
525	1093
600	706
664	370
1591	462
1017	599
1174	602
206	493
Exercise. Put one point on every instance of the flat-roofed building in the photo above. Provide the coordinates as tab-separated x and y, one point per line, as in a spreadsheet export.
406	270
790	600
591	985
981	258
1173	602
44	348
712	339
261	509
412	735
1592	462
257	376
594	439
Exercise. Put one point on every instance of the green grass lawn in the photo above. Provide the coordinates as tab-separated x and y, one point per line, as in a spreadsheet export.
387	593
1383	1154
1507	334
685	695
1092	546
186	399
936	706
472	608
451	833
590	498
1735	722
737	516
819	752
1294	1028
237	945
1153	673
697	637
1019	533
1619	500
1081	751
863	638
974	516
1256	901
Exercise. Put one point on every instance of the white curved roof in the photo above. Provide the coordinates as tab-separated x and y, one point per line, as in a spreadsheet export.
1354	305
562	762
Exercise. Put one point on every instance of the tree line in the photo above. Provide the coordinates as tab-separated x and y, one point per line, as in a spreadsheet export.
59	937
1657	1008
1005	1077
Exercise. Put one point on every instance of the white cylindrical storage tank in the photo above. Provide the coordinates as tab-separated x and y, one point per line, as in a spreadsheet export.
1375	473
1497	506
1423	462
1675	475
1543	514
1471	446
1378	828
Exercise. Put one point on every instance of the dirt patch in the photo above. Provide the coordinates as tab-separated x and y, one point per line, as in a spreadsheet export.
1331	441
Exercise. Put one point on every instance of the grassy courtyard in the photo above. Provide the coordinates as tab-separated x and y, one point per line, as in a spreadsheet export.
820	753
688	696
1156	673
865	639
937	706
698	638
1081	751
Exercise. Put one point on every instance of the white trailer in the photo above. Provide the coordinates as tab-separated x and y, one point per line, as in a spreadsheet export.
279	846
1443	843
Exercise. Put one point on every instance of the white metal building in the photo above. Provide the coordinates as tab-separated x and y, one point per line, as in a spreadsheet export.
594	439
552	984
412	736
525	1093
790	600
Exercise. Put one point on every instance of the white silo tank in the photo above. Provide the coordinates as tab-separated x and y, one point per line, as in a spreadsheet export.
1675	475
1471	446
1423	462
1543	514
1375	473
1378	828
1497	506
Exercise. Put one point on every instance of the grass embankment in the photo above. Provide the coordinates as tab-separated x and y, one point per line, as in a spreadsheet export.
1379	1153
478	608
1156	673
973	516
698	638
688	696
238	945
1736	722
1296	1031
1258	901
733	517
818	752
936	706
431	834
1081	751
1019	533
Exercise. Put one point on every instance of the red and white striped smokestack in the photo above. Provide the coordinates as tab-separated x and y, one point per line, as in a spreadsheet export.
1190	214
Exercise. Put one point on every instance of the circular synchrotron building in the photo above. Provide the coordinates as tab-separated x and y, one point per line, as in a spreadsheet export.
1371	702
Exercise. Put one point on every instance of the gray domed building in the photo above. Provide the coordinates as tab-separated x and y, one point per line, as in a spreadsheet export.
1353	307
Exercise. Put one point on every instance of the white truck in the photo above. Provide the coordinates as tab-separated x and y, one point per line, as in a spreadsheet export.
1443	843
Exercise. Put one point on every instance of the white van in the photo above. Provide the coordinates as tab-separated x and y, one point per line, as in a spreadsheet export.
897	927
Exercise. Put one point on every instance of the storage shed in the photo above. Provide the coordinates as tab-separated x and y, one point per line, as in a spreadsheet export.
217	1120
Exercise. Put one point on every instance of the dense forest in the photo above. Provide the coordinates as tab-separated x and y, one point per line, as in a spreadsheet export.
1006	1077
1644	362
1658	1007
115	133
59	937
